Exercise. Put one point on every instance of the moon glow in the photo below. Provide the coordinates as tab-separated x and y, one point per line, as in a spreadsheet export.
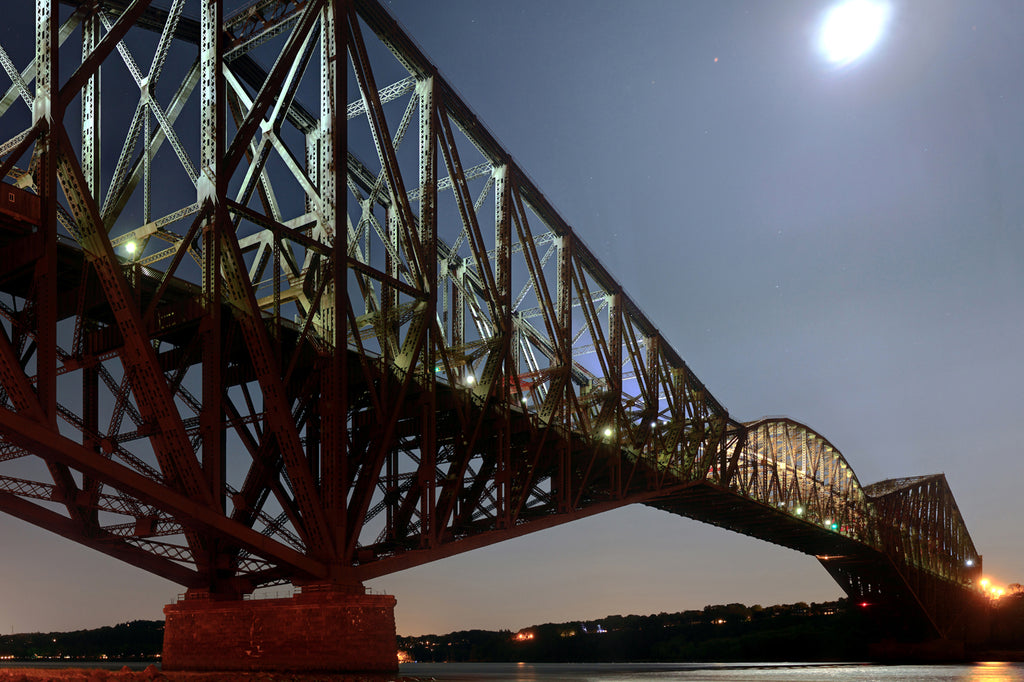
850	29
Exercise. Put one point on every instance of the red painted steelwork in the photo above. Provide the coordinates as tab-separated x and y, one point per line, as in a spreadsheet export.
316	355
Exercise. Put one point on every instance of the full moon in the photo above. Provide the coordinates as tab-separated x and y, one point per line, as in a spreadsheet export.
852	28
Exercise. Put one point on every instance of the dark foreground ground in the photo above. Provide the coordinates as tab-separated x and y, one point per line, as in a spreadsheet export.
154	674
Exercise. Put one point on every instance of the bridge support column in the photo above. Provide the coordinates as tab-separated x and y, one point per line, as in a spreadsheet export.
321	629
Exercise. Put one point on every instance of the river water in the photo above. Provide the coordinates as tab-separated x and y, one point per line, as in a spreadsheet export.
659	672
712	672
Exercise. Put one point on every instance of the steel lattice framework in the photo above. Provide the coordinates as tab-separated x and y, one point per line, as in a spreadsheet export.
259	346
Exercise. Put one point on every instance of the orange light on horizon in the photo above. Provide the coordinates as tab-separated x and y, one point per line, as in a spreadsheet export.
991	590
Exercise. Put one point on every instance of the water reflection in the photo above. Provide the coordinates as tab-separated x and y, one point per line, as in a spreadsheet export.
712	672
996	670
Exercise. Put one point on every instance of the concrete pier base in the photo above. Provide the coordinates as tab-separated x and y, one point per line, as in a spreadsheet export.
315	631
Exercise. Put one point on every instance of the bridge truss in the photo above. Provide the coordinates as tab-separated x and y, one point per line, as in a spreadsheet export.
243	344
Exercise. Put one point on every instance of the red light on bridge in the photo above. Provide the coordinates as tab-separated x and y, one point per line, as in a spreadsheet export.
864	604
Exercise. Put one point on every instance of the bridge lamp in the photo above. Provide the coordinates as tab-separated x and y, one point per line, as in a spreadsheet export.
607	432
799	511
969	563
130	248
470	380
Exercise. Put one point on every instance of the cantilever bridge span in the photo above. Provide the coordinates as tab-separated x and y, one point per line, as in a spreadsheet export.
244	344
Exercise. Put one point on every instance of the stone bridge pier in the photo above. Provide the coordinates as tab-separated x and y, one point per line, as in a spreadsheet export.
321	629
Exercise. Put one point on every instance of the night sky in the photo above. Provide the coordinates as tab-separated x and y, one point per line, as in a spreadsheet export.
840	245
843	246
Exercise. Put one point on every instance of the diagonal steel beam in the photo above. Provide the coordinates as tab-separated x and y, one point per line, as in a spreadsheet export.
108	544
47	444
155	401
106	45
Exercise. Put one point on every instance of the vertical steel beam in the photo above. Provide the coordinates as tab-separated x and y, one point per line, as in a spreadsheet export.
333	198
90	421
389	294
46	107
503	279
211	197
615	385
556	410
91	104
491	379
426	92
458	307
211	96
211	418
428	114
212	194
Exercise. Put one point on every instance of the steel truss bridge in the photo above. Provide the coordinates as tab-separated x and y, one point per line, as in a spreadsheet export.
245	345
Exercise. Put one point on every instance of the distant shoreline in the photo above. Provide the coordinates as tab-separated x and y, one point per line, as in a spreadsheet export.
828	632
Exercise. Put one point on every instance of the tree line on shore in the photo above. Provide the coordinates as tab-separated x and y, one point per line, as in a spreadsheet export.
830	631
827	631
133	641
837	630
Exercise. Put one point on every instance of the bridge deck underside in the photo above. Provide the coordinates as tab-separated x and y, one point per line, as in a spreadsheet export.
924	603
712	504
